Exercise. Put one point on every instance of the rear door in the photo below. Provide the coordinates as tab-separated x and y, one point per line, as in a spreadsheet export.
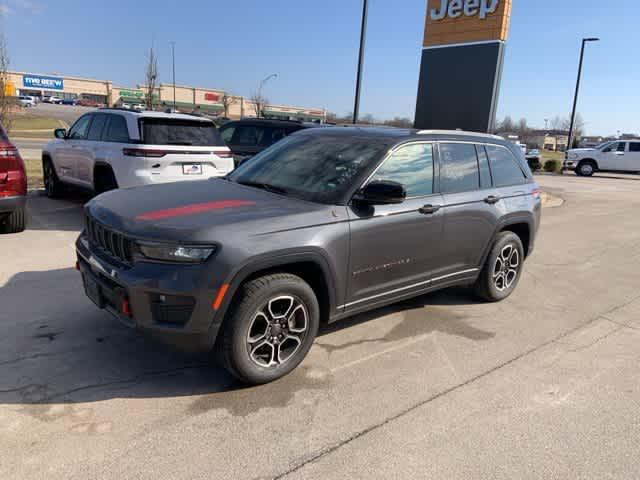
632	162
395	248
471	209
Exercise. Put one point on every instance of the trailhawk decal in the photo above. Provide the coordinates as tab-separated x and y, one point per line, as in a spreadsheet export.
193	209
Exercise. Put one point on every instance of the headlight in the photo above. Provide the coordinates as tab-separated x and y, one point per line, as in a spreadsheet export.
175	253
573	156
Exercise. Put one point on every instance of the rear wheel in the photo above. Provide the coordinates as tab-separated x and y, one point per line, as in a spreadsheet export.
501	272
14	222
270	329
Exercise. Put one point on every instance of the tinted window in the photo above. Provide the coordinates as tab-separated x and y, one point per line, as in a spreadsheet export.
483	163
165	131
271	135
458	168
622	146
95	132
412	166
79	129
246	135
615	146
504	167
226	133
316	168
117	130
634	147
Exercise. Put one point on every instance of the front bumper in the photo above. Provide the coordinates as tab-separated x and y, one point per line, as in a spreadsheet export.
11	204
172	303
569	165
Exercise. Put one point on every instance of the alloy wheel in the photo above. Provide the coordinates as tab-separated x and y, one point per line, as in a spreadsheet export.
506	268
277	331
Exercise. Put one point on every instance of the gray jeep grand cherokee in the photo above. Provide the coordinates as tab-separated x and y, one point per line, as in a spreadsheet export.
322	225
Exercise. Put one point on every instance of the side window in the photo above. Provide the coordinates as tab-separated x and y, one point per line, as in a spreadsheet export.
483	163
412	166
227	134
458	168
245	135
117	130
271	135
97	126
504	167
622	146
615	147
634	147
80	128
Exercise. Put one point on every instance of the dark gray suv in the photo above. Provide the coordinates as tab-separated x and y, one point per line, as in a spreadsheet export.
322	225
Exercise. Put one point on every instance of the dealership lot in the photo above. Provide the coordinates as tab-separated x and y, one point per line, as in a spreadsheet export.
443	386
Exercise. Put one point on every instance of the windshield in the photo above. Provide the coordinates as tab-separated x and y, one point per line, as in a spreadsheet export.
314	168
165	131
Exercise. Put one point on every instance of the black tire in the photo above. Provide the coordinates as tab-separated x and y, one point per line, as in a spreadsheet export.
488	285
52	185
586	168
14	222
104	180
240	356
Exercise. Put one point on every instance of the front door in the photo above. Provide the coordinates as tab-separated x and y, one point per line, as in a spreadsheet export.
613	157
394	248
67	153
632	157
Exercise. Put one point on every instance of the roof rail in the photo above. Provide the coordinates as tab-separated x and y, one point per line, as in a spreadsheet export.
459	132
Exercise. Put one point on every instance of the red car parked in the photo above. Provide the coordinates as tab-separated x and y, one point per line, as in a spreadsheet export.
13	187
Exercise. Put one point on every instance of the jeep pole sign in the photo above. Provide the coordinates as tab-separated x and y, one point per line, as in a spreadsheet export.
462	36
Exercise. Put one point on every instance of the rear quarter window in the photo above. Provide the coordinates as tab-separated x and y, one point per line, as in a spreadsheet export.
504	167
161	131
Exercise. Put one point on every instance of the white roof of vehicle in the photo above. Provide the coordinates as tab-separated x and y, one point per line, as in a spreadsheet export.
152	114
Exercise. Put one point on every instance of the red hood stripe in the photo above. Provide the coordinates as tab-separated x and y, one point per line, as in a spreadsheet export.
194	209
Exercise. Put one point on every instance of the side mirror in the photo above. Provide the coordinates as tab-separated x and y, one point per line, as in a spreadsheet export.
382	192
60	133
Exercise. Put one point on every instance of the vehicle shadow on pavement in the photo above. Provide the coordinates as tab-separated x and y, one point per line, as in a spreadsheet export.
63	214
57	348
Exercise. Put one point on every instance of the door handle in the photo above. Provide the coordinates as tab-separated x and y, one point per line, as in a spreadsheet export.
429	209
492	199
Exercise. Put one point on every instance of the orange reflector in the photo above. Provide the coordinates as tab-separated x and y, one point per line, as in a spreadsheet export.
126	307
221	293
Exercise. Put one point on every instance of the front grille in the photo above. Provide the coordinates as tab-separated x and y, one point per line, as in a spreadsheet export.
109	242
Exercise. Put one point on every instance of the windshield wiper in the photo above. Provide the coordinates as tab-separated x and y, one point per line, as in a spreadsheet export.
265	186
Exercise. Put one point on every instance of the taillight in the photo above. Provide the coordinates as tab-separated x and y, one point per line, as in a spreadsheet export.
536	193
223	154
13	178
140	152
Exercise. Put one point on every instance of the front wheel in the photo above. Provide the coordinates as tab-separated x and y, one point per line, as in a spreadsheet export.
501	272
14	222
52	185
270	329
585	169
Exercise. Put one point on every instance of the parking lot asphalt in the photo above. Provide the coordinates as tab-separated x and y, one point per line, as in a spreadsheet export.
543	385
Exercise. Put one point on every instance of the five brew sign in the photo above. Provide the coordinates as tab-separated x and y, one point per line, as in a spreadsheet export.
466	21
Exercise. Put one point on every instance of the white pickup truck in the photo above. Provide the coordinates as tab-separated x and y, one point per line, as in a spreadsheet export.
617	155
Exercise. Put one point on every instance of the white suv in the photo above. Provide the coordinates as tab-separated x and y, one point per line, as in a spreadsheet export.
618	155
112	148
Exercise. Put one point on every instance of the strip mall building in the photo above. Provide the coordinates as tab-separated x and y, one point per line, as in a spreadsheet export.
188	99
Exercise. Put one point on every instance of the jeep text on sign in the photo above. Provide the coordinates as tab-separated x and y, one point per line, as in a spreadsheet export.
466	21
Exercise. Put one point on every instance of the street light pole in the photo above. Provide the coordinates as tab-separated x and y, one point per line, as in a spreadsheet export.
363	35
575	97
262	82
173	62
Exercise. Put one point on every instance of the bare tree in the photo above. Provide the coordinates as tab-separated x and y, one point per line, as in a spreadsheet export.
151	77
557	123
507	124
400	122
259	103
227	100
523	127
6	101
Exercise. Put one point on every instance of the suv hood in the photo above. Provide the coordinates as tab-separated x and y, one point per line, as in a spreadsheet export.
199	211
